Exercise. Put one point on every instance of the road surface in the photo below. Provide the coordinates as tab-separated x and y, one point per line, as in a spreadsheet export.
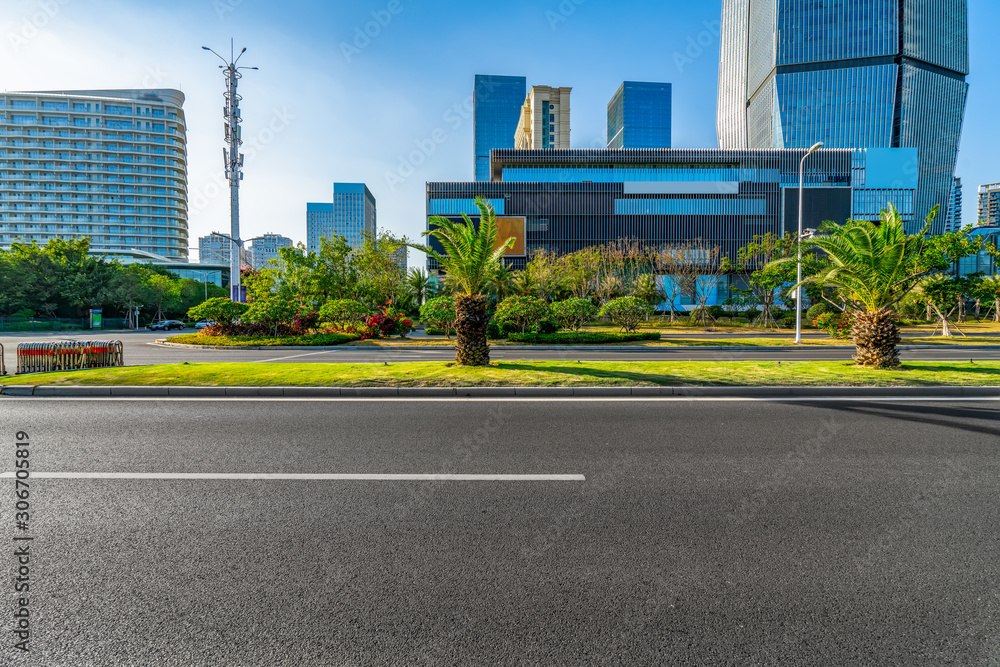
687	532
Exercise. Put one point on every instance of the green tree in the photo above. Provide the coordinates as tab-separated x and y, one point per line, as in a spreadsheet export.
345	314
471	259
272	313
439	313
646	288
574	313
522	311
381	278
627	312
769	261
989	290
164	293
218	309
419	284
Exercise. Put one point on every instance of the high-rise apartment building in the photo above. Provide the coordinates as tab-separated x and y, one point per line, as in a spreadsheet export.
989	204
496	112
110	165
639	116
351	215
544	123
216	248
852	74
953	221
265	248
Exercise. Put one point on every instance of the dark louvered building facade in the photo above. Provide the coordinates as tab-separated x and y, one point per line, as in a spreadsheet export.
574	199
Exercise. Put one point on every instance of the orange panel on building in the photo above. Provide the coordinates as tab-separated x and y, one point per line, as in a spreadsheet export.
508	227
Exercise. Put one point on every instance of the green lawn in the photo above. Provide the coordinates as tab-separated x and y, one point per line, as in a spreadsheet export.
532	373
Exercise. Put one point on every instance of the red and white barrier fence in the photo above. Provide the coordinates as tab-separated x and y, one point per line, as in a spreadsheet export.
68	355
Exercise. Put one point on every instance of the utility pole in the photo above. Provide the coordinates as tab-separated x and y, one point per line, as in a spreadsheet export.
234	163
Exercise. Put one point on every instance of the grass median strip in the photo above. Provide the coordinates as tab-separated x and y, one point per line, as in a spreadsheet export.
531	374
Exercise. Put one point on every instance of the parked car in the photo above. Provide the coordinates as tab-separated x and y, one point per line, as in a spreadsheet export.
204	323
166	325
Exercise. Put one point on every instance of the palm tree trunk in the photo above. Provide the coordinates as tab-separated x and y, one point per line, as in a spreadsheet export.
876	335
996	310
471	347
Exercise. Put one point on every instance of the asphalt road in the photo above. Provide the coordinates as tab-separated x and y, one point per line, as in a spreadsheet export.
705	532
140	350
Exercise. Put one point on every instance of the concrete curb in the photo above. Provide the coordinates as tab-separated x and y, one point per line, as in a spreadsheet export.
501	392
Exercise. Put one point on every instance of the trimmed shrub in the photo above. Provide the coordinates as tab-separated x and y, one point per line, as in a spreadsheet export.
439	314
524	312
573	313
273	314
816	310
627	312
387	322
220	309
495	330
837	325
546	327
581	338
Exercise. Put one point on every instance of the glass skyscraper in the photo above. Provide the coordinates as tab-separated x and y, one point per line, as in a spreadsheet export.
496	113
351	215
852	74
639	116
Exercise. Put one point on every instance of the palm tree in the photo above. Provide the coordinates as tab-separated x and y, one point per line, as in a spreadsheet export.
419	284
502	285
873	266
471	259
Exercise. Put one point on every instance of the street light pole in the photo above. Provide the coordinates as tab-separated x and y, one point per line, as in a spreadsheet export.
234	160
798	294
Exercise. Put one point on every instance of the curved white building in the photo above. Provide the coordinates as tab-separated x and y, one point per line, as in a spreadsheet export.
106	164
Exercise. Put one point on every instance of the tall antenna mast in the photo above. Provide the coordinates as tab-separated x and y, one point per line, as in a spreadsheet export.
234	164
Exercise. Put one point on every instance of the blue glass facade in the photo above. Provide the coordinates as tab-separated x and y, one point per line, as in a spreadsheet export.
639	116
351	215
849	73
497	102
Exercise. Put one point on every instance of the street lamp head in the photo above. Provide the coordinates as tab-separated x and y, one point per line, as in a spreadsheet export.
815	148
206	48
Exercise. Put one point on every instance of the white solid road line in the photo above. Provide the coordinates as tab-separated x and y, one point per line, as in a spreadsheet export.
364	477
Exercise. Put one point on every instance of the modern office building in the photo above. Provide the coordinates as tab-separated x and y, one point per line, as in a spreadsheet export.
567	200
216	248
852	74
265	248
639	116
351	215
953	220
983	262
497	102
989	204
544	123
110	165
402	257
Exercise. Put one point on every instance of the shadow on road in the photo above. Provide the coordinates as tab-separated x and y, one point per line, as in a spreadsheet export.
962	418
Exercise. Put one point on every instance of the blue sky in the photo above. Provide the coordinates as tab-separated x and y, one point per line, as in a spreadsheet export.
328	105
